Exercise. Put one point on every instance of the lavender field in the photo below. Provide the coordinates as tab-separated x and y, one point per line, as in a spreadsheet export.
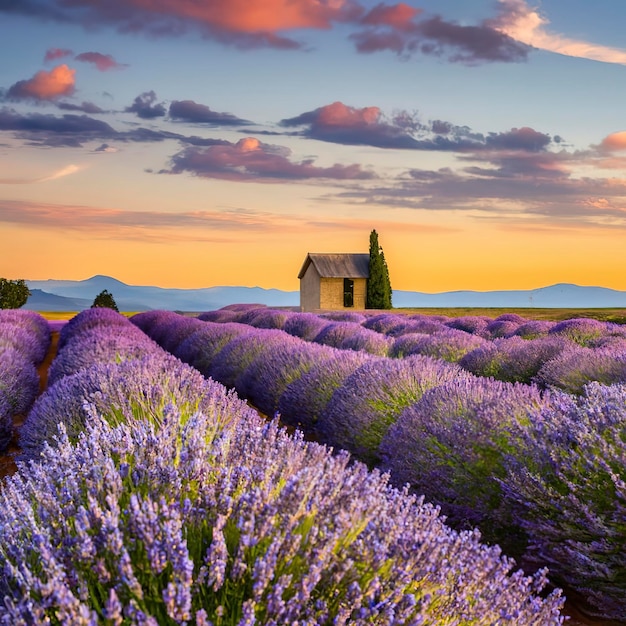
156	484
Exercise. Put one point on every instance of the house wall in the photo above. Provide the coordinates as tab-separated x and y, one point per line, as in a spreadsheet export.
331	293
310	290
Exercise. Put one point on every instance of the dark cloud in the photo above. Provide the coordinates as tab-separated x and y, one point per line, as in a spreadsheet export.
342	124
251	160
103	62
401	32
339	123
190	111
144	106
76	130
52	54
86	107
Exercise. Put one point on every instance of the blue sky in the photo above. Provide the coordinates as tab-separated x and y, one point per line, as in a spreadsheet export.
192	144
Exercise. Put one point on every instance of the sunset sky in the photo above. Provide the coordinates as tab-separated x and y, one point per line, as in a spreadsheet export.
196	143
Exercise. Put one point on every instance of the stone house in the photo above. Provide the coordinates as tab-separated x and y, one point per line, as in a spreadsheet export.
333	281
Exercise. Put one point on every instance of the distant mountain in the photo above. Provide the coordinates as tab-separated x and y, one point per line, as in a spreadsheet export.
561	296
81	294
71	295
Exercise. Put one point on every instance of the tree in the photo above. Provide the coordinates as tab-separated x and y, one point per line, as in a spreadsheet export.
13	293
105	299
378	283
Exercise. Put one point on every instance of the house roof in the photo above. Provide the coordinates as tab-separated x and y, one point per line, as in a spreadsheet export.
341	265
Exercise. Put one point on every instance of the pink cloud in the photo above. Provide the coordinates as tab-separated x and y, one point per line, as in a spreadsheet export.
615	142
103	62
53	54
251	160
399	16
59	81
527	25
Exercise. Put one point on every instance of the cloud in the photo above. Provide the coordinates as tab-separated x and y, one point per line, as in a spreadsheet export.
517	20
397	29
251	160
66	171
245	23
59	81
86	107
342	124
53	54
103	62
615	142
190	111
145	108
339	123
75	130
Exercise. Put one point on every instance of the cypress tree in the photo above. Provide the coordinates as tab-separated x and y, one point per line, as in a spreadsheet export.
378	284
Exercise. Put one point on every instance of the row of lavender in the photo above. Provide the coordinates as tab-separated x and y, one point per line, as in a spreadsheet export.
565	355
24	342
543	473
148	494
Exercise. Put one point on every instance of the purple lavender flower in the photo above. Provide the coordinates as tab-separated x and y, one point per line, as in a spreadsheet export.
279	363
146	320
473	324
305	325
29	320
305	399
450	344
344	316
6	421
200	348
119	391
363	339
574	367
534	328
361	411
91	319
270	318
450	447
220	316
24	340
568	482
230	363
335	333
100	345
178	520
387	323
514	359
580	330
502	328
178	331
19	380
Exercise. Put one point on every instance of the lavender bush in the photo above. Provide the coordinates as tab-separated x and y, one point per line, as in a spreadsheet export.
192	523
335	333
580	330
19	380
23	340
363	339
305	325
534	328
344	316
450	344
305	399
277	365
100	345
141	387
368	402
270	318
220	316
573	368
514	359
568	481
450	446
90	319
201	347
29	320
473	324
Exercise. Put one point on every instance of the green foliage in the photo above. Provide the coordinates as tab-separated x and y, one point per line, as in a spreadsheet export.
105	299
13	293
378	284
